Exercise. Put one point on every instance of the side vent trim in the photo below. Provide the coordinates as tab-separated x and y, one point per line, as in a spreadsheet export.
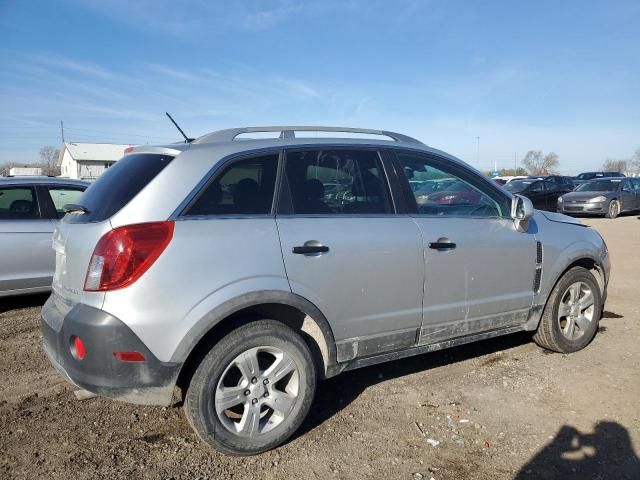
538	276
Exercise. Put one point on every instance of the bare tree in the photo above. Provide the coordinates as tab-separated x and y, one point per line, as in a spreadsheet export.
613	165
49	159
635	161
537	163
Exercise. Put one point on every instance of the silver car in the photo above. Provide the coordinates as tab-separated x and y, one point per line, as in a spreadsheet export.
606	196
30	208
230	270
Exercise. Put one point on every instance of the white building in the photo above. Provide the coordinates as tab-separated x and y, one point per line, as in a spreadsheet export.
86	161
17	171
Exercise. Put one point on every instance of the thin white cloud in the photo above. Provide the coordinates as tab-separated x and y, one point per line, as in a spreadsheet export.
173	72
82	68
178	18
298	88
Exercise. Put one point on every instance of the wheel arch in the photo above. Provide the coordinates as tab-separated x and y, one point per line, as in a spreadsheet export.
588	262
293	310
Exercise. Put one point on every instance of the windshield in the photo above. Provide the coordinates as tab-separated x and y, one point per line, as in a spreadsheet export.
599	186
586	176
516	186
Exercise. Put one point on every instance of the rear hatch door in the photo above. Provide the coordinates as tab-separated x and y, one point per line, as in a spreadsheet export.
77	235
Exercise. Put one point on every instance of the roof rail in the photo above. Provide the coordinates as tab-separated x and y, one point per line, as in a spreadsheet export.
228	135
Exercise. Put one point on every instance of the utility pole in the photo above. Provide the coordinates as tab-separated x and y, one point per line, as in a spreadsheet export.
515	165
478	153
62	130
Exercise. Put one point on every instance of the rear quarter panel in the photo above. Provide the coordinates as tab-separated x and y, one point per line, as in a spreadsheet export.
208	262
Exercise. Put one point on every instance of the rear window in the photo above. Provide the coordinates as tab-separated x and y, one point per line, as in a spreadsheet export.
119	184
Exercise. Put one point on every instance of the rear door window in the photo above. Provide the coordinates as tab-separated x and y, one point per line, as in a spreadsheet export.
244	187
18	203
337	182
60	196
119	184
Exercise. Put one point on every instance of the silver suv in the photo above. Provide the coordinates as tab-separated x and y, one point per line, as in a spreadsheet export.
236	273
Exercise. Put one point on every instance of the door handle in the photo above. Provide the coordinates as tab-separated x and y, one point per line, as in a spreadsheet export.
443	245
311	248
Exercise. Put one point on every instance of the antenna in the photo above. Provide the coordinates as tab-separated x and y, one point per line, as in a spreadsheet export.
186	139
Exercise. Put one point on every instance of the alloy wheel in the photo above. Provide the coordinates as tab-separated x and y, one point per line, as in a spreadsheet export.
257	391
576	310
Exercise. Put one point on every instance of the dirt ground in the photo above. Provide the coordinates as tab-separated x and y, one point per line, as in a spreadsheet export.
499	409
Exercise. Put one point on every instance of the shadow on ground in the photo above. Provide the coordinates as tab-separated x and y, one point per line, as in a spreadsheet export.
336	393
606	453
22	301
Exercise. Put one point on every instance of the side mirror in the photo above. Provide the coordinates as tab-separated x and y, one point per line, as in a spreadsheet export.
521	212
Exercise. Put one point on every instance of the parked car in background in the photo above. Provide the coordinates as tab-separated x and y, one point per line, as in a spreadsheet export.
605	196
543	193
559	181
569	181
30	208
502	180
247	301
455	193
587	176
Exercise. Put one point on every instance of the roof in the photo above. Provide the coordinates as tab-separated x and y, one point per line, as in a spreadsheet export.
226	143
39	180
109	152
289	132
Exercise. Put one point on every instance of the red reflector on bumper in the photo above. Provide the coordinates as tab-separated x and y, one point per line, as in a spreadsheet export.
77	349
129	356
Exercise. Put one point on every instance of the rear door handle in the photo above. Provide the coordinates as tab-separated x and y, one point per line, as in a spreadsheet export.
311	247
443	244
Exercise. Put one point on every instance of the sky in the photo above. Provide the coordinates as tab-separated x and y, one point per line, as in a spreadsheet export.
484	81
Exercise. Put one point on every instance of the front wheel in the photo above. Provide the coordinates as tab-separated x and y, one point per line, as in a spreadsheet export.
253	389
614	209
570	318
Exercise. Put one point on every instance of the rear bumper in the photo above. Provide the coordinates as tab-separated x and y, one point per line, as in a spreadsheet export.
150	382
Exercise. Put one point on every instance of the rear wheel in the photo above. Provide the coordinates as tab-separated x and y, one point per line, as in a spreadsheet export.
253	389
614	209
570	318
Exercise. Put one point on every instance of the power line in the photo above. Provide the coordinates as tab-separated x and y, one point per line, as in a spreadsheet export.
89	130
113	133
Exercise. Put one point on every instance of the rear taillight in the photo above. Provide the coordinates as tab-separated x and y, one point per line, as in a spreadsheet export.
128	150
125	253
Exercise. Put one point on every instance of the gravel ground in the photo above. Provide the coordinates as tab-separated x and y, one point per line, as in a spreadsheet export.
498	409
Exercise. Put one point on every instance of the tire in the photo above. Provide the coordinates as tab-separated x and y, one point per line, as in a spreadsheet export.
613	210
555	330
263	350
